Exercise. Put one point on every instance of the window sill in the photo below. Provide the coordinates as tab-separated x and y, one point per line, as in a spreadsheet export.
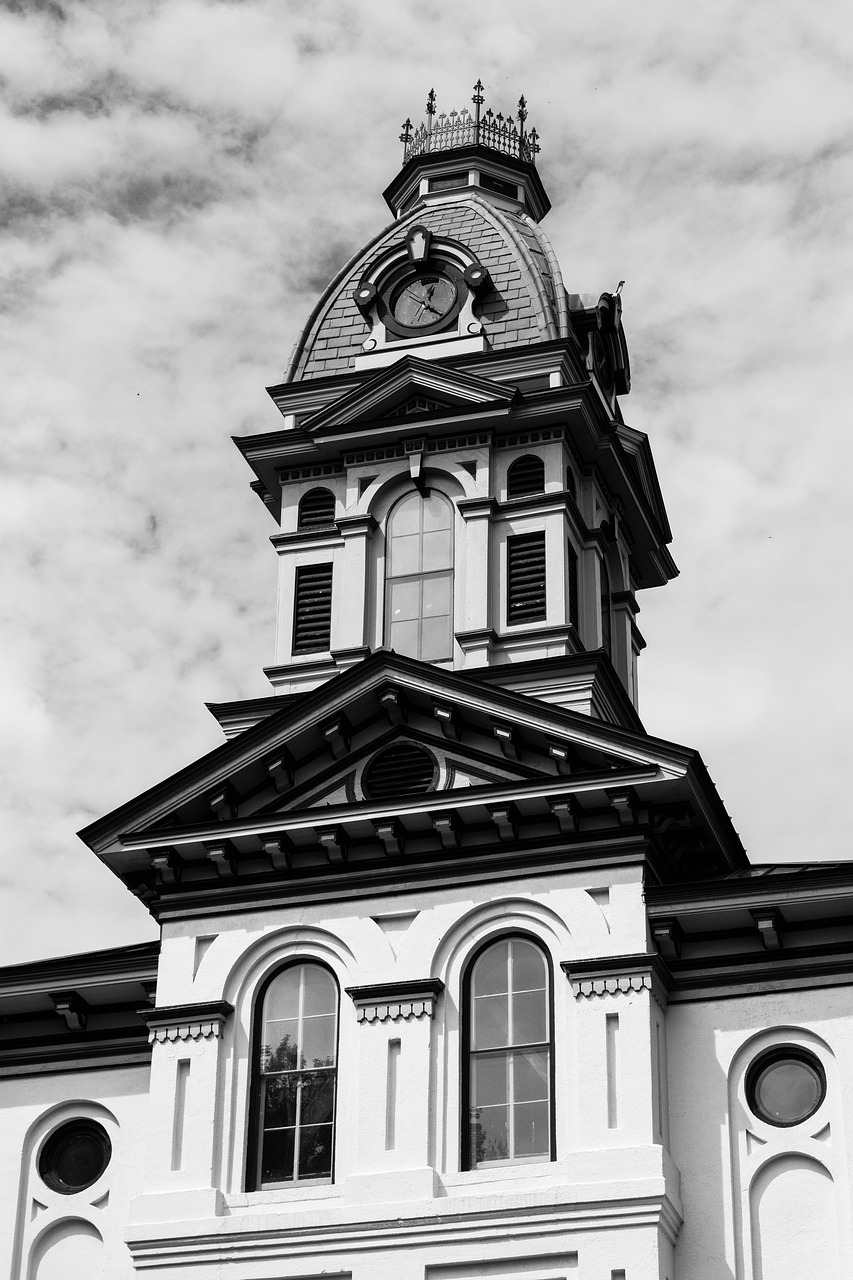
287	1193
506	1171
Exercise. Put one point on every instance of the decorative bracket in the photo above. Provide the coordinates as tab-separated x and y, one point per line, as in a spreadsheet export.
72	1008
396	1001
769	922
186	1021
619	975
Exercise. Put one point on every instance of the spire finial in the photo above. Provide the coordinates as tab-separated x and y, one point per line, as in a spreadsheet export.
406	135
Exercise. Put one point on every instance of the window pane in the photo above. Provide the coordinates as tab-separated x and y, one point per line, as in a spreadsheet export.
319	992
530	1077
279	1105
278	1052
529	1018
403	638
277	1156
491	1022
405	600
528	967
436	552
489	1134
318	1097
315	1151
282	998
490	971
531	1129
435	639
407	515
405	554
437	514
318	1041
436	596
488	1086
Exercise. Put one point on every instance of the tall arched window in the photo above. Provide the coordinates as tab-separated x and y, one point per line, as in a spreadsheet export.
509	1042
296	1038
419	577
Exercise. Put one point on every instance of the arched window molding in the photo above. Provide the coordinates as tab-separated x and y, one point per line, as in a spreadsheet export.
419	576
507	1112
294	1077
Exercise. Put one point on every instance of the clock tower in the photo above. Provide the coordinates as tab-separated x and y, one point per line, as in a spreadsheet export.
454	479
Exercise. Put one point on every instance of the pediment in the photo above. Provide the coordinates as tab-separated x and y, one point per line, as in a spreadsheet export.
406	383
292	793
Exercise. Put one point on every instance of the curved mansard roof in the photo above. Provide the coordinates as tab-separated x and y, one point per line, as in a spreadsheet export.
528	304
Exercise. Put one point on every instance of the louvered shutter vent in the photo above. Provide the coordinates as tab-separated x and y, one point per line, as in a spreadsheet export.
525	476
526	578
317	508
574	610
312	608
401	770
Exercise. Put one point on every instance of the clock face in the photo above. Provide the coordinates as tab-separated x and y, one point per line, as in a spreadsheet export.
423	301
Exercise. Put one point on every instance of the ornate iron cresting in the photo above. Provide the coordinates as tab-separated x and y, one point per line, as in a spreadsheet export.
462	129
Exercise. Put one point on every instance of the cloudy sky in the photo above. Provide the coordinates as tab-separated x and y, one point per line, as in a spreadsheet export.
179	180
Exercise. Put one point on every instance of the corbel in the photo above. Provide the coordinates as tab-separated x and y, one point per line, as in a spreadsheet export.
282	770
668	936
769	922
448	721
279	850
149	986
72	1008
223	856
567	813
446	828
142	887
392	834
624	804
477	278
507	738
393	703
505	818
167	865
224	802
333	841
338	735
561	757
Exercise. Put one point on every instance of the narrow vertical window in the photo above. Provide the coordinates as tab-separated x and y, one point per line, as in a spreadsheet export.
296	1053
574	602
312	608
525	578
419	578
509	1052
606	627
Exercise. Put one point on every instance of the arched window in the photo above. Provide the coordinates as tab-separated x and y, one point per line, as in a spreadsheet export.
316	508
419	577
295	1048
525	476
508	1073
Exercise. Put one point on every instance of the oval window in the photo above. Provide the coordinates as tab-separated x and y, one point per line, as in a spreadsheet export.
785	1086
75	1156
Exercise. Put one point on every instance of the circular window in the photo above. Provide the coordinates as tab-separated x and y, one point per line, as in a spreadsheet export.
786	1085
75	1156
401	770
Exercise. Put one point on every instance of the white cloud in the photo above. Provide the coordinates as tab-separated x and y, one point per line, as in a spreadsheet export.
179	181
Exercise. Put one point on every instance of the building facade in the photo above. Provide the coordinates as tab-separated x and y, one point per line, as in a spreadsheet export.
462	973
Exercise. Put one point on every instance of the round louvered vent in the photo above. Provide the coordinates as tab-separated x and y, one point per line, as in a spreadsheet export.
401	770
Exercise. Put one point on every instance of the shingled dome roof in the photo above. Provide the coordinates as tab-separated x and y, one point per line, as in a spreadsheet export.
527	304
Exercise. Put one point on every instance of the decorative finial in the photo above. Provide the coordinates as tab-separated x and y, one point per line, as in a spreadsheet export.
522	111
478	102
407	131
533	145
619	287
431	103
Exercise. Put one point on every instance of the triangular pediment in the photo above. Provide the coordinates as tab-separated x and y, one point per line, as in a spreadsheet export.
407	382
399	758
